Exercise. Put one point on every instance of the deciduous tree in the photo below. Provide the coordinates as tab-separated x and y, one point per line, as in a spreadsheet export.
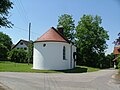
5	45
117	41
67	22
5	6
5	40
91	39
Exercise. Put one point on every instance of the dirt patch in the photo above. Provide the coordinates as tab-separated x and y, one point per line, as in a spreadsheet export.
116	78
3	87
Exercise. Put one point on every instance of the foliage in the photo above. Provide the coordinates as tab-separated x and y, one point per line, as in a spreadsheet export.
118	65
18	55
68	24
22	67
5	40
91	40
3	52
5	46
5	5
110	58
106	61
118	62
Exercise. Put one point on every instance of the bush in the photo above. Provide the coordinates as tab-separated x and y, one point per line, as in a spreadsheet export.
3	52
107	61
118	65
18	55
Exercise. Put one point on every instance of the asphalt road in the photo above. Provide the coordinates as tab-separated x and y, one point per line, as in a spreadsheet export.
100	80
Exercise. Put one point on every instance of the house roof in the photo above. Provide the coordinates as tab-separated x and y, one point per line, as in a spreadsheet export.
24	41
52	35
116	50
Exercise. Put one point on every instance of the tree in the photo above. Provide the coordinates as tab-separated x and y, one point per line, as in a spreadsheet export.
117	41
91	39
5	40
5	5
110	57
67	22
5	45
106	61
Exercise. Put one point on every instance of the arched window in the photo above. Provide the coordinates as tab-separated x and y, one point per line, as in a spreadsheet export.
64	53
74	56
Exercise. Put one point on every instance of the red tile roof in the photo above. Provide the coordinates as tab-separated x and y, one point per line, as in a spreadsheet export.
116	50
52	35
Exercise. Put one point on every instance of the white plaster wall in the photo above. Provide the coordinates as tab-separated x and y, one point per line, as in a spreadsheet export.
50	57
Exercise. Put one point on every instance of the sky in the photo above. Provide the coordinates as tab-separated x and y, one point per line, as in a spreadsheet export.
43	14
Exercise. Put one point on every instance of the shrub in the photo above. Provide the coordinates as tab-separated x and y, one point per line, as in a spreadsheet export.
3	52
18	55
118	65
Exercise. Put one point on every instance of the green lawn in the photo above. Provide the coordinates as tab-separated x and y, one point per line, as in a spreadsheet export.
21	67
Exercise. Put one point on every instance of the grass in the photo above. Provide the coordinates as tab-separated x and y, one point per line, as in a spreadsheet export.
21	67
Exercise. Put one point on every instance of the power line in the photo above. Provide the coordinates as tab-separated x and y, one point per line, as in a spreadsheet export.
26	30
34	35
21	15
21	10
20	28
25	13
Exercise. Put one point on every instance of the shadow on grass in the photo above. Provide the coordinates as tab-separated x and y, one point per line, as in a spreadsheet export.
75	70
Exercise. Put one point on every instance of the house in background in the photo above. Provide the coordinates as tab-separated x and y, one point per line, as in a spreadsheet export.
52	51
116	52
22	44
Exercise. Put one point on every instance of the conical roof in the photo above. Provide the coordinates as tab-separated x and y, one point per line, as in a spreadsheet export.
52	35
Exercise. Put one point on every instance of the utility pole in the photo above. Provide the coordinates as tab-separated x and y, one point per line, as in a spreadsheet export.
29	44
29	30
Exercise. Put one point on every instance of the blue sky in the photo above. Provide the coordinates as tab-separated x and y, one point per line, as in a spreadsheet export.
43	14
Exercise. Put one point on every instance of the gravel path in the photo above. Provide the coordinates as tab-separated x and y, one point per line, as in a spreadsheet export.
100	80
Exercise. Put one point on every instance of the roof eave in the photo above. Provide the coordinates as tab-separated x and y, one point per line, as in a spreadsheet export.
49	41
